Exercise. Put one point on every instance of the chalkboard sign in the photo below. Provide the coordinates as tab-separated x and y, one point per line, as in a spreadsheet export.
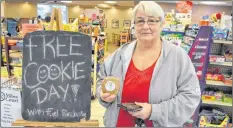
56	76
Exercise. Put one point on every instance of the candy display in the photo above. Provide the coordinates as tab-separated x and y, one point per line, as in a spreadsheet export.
227	52
219	96
192	32
214	74
211	94
173	37
229	36
220	34
189	40
228	78
213	118
216	58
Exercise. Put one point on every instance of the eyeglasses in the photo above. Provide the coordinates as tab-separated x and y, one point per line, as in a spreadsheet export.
149	22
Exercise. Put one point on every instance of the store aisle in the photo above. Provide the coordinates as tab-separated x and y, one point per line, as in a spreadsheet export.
97	110
111	49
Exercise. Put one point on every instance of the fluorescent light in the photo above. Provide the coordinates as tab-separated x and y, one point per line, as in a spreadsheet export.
103	5
212	2
110	2
66	1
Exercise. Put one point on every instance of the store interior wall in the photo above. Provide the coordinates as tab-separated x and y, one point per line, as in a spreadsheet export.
199	10
23	10
74	11
119	14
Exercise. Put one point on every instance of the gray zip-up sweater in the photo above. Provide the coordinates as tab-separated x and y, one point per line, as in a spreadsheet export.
174	88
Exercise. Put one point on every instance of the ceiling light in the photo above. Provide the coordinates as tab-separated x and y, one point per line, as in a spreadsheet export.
103	5
26	2
212	2
130	8
110	2
66	1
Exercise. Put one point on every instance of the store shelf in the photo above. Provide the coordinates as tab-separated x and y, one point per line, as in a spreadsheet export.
216	83
222	42
222	63
216	103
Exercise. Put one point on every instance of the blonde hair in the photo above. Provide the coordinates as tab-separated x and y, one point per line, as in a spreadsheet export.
151	8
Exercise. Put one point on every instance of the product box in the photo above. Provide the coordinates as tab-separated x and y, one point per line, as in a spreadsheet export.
229	36
205	123
216	58
227	52
227	80
213	118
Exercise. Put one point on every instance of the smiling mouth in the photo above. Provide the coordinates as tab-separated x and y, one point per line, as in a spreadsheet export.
54	74
42	77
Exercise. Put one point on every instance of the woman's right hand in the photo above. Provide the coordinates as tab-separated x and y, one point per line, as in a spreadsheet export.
107	97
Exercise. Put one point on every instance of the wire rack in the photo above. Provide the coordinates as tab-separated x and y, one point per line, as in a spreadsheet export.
215	48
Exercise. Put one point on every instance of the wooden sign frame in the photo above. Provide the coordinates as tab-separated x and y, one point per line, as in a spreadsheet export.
89	123
56	13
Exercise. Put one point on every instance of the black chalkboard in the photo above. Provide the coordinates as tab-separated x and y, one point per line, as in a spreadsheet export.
56	76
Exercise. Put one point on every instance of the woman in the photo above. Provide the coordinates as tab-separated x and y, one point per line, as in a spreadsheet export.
154	74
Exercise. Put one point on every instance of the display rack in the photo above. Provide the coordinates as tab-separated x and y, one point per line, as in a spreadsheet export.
98	51
7	48
224	68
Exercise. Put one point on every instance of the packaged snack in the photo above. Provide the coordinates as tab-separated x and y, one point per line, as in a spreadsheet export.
189	40
229	36
191	32
216	58
220	34
173	27
180	28
227	52
227	80
219	96
227	98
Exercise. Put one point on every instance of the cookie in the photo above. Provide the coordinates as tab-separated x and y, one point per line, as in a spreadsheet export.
111	85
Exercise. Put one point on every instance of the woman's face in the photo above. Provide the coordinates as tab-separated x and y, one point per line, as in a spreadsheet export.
147	28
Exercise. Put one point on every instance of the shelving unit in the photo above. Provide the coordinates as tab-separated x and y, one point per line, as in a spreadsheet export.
98	51
224	67
7	48
218	103
222	63
217	83
222	42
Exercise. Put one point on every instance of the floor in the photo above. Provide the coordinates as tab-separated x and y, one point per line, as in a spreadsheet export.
97	111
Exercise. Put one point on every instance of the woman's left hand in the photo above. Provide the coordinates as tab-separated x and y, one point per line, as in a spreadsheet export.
144	113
